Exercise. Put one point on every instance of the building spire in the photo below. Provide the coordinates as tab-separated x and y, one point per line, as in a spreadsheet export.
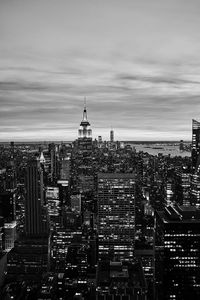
84	130
84	102
85	111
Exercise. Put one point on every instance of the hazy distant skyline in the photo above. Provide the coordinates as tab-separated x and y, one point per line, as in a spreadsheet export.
136	62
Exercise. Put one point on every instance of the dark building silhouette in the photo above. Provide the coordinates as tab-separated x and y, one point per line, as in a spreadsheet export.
29	259
7	206
35	211
112	136
195	145
177	253
120	280
181	145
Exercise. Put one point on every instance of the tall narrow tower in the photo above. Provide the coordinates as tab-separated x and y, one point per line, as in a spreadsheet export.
85	132
84	129
112	136
35	217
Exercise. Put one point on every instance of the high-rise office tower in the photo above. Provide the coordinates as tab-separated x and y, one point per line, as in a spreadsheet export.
85	133
85	174
53	162
177	253
12	152
10	175
183	186
169	193
195	177
35	212
112	136
116	215
195	190
195	145
65	169
8	212
29	259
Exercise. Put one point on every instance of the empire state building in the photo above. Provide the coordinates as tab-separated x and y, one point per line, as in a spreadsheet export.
84	129
85	132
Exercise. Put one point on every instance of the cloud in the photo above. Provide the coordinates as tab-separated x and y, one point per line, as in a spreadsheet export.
139	71
155	103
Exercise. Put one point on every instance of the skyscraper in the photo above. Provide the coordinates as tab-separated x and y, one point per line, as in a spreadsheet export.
183	186
112	136
177	253
116	215
195	190
8	212
35	214
195	145
29	259
85	132
53	162
195	177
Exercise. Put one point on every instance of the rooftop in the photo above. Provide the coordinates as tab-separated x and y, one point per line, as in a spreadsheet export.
110	274
116	175
180	214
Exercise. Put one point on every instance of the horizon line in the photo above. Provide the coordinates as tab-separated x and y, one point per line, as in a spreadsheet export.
71	141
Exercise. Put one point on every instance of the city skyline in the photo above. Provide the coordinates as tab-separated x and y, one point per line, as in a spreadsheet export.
136	63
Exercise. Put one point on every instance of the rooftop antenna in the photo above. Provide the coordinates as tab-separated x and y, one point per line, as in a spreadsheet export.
85	111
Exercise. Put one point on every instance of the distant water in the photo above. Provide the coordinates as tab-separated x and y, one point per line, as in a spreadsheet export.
165	149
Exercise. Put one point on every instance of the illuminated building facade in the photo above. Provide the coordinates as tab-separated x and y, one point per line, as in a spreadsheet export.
183	187
61	239
195	145
116	215
195	190
53	204
195	178
10	234
169	193
185	182
177	253
8	212
85	133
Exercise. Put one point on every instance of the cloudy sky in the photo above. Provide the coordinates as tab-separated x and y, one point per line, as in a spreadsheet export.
136	62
